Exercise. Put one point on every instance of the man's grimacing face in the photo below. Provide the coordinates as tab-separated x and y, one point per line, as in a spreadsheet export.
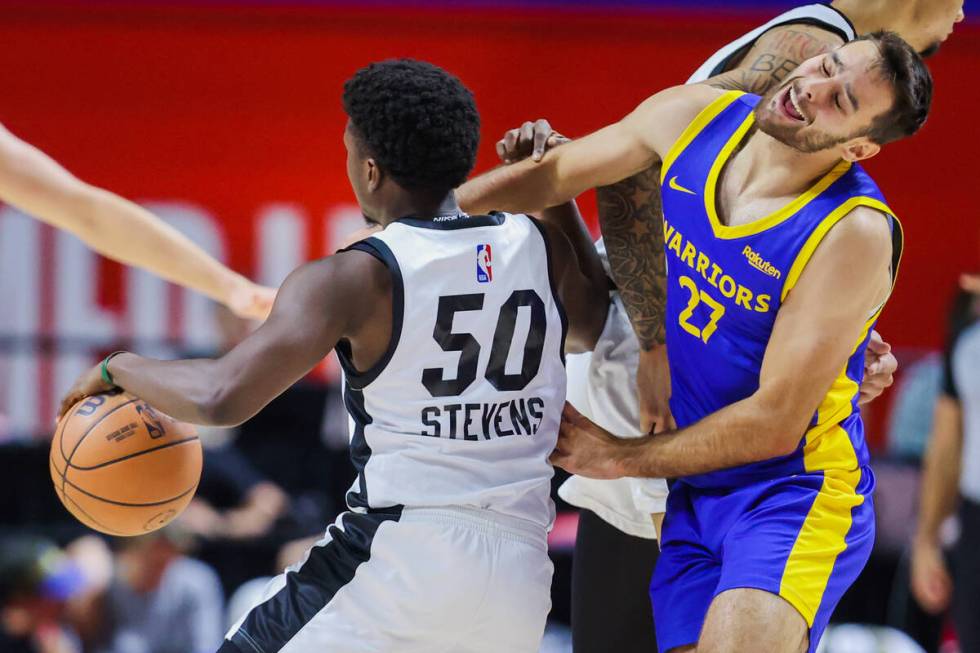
828	100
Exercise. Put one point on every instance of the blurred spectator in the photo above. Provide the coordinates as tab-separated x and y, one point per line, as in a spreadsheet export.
36	581
910	419
233	500
159	600
952	466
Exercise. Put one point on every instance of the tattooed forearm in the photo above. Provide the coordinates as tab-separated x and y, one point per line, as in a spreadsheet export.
632	227
774	56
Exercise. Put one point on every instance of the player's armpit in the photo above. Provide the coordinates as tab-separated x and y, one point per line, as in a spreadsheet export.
826	314
774	56
318	304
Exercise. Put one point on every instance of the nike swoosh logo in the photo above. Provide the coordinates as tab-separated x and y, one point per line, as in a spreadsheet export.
673	184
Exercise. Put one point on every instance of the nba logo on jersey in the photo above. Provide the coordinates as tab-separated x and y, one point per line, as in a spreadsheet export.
484	269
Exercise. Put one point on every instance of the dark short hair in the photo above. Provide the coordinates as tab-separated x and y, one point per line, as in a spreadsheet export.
901	66
418	122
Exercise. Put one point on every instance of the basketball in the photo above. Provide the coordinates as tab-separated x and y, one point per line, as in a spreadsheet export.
122	468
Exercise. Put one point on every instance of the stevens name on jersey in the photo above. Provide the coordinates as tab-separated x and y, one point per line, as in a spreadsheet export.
483	421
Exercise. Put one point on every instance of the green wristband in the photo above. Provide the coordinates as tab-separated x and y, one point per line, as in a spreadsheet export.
106	376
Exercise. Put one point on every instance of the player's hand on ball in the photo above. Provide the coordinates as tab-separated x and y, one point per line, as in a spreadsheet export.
586	449
530	139
653	388
879	368
88	384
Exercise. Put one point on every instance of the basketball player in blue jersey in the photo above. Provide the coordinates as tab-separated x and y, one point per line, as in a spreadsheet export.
781	253
621	385
451	330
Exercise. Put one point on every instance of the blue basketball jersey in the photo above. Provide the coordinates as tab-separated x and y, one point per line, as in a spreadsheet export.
726	284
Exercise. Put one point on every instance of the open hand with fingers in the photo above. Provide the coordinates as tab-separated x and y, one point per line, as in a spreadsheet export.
587	449
532	139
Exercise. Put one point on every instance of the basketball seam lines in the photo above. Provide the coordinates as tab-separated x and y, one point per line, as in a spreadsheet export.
133	505
65	497
81	439
61	442
132	455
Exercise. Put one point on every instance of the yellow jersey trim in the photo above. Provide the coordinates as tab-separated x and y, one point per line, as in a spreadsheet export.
835	216
821	539
697	125
756	226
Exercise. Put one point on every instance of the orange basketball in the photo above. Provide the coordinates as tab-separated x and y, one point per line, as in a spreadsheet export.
122	468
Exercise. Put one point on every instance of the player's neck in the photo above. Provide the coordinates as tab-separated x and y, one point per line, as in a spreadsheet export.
418	205
873	15
773	169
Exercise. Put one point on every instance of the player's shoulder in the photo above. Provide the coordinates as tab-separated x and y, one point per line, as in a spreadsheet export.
799	41
356	271
864	234
863	224
661	118
688	99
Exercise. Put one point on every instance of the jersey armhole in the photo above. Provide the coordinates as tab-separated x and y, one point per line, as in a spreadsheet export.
835	216
553	283
356	379
697	125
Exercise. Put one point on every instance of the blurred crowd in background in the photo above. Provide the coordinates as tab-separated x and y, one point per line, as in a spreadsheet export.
227	118
271	486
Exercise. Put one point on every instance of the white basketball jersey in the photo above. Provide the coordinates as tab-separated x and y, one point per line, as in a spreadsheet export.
463	409
819	15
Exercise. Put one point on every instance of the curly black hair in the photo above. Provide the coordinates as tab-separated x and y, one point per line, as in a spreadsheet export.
417	121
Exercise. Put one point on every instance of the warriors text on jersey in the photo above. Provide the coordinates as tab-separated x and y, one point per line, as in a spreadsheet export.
726	285
799	526
602	384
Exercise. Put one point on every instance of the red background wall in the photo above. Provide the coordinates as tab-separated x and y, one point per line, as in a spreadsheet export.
235	108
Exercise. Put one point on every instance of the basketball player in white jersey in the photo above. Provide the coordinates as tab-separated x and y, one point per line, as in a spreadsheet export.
615	548
119	229
451	331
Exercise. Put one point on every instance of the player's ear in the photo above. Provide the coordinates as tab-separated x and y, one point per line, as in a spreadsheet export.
375	175
859	149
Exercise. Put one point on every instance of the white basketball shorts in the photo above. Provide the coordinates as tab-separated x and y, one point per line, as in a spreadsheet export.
430	580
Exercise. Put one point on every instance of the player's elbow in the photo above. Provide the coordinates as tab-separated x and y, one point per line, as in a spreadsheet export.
783	442
779	425
220	406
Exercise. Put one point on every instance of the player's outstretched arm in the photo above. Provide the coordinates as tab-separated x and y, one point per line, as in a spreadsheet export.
318	304
118	228
815	331
603	157
631	212
533	139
